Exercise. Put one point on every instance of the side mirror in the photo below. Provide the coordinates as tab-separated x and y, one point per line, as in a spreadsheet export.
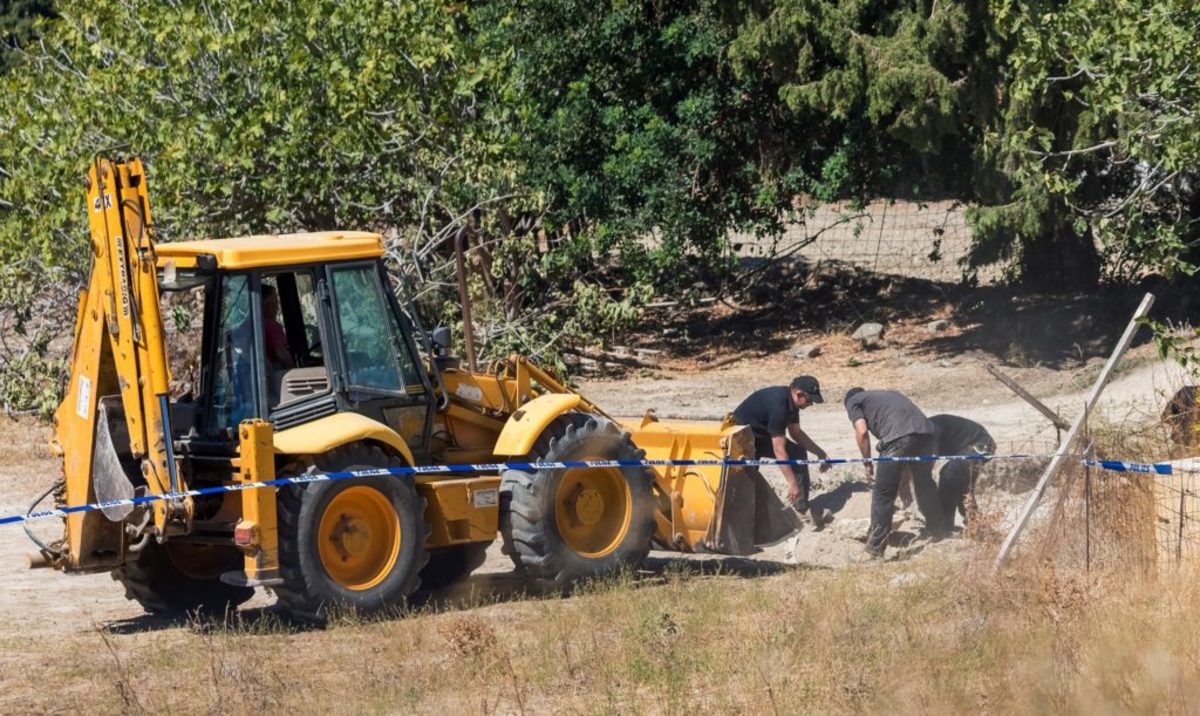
441	340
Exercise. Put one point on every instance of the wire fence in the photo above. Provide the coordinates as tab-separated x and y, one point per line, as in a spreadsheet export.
1177	517
928	241
1092	519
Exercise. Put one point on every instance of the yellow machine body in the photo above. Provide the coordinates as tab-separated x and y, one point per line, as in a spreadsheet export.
324	434
114	429
274	249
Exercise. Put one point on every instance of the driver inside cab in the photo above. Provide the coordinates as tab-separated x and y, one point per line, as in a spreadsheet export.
278	356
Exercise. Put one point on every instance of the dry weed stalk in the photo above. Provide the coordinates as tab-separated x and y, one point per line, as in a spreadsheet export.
121	679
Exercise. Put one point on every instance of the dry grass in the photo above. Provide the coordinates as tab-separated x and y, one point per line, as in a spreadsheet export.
931	634
938	633
24	452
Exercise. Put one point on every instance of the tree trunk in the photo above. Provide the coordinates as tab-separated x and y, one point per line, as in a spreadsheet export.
1058	259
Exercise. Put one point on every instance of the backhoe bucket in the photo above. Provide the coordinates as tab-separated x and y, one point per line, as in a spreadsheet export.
722	509
110	471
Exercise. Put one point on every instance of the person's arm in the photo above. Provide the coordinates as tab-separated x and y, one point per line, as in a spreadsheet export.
803	440
863	438
779	443
282	357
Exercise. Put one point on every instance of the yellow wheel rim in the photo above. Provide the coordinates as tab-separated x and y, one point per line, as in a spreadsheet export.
359	538
592	509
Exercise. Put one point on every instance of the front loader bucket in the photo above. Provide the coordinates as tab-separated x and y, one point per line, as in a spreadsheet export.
727	510
749	514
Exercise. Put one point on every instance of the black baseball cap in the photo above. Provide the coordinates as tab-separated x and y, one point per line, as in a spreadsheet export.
809	386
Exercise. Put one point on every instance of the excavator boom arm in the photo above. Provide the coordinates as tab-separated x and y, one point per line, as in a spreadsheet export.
120	350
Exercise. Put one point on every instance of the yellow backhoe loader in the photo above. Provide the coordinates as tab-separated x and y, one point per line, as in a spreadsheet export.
306	362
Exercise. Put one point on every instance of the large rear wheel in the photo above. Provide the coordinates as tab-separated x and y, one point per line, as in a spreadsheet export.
353	544
570	523
177	578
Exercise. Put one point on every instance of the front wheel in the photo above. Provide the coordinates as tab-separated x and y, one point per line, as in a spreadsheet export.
356	544
570	523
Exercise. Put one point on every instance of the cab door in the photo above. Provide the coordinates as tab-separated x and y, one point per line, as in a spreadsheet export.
379	372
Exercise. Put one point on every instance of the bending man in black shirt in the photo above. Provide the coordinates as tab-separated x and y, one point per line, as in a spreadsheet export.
773	415
956	480
903	431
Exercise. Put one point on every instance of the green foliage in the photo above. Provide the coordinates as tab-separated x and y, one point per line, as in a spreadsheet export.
1177	343
637	135
1098	134
890	94
358	112
601	152
254	117
20	24
904	91
35	305
31	381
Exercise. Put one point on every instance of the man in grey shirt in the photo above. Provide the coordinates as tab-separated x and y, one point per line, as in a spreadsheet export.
902	431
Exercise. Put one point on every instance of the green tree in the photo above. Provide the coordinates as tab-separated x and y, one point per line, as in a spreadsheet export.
1070	124
254	117
637	134
905	89
1099	134
896	88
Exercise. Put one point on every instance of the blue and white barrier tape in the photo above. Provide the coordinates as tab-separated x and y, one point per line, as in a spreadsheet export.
1157	468
1162	469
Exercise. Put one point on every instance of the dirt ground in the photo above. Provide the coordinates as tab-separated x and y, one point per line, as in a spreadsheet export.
40	608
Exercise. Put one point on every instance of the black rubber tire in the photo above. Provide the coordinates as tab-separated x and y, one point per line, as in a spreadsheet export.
308	592
157	581
527	514
448	565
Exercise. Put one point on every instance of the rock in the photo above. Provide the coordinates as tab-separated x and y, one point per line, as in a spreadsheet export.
870	335
937	326
852	529
806	350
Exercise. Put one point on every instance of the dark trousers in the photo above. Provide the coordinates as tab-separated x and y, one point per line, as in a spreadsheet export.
887	484
956	486
956	480
764	450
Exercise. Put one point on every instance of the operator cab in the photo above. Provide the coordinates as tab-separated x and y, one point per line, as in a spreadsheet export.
295	328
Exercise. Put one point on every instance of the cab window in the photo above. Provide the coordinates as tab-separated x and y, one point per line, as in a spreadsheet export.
231	399
370	334
292	346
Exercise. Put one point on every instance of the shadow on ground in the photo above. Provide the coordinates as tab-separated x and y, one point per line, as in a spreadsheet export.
836	499
1009	323
477	590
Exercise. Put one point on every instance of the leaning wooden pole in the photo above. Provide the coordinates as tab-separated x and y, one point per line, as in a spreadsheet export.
1025	395
1060	457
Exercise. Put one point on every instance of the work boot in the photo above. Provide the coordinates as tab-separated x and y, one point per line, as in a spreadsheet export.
821	517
